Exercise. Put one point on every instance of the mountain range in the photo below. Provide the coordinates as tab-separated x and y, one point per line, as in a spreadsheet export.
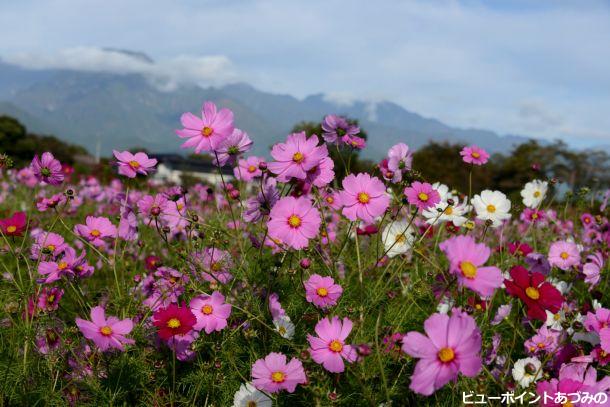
103	111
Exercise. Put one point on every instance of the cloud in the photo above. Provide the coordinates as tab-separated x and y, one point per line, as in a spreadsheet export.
538	116
167	74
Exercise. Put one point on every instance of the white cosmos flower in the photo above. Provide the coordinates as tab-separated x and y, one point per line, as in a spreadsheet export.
533	193
493	206
249	396
284	326
442	211
526	371
554	321
398	237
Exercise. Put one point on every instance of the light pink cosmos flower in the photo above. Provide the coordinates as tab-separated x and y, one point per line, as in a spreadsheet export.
322	291
329	347
422	195
211	312
451	345
231	147
592	269
294	221
465	260
273	374
322	174
564	254
106	333
130	165
275	308
248	169
207	133
474	155
296	156
364	197
47	169
96	229
400	158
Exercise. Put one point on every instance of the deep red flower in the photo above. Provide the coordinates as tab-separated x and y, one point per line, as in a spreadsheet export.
538	294
15	225
152	263
519	249
174	320
368	230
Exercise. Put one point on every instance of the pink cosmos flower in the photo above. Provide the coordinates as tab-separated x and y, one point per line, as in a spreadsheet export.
47	169
96	229
248	169
422	195
364	197
275	308
131	165
294	221
48	242
232	147
48	299
273	374
355	142
564	254
322	174
211	312
14	225
322	291
452	345
207	133
329	348
465	260
474	155
106	333
335	128
296	156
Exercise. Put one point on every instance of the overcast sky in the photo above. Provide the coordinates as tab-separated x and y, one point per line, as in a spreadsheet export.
539	68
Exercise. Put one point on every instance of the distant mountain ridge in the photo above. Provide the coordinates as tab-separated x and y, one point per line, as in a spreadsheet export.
120	111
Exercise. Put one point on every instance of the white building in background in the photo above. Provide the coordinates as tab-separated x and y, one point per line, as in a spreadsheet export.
171	168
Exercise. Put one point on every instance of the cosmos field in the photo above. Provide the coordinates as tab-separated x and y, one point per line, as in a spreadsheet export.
298	281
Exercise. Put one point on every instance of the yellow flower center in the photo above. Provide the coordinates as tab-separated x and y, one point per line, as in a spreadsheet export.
448	210
537	194
298	157
475	154
173	323
207	309
278	377
556	317
363	198
568	404
532	292
207	131
95	233
564	255
400	238
541	345
11	229
50	298
294	221
534	215
134	164
62	265
251	168
335	346
469	270
446	355
106	330
251	403
423	196
330	199
282	330
51	247
322	292
216	266
491	208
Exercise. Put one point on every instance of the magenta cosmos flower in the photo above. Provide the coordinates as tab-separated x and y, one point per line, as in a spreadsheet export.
96	229
336	128
400	158
231	147
329	348
422	195
273	374
295	157
131	165
248	169
465	260
474	155
211	312
363	197
106	333
14	225
207	133
564	254
451	345
294	221
47	169
322	291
